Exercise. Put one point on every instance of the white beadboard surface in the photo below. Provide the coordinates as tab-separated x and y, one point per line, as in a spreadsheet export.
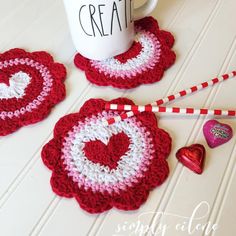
205	32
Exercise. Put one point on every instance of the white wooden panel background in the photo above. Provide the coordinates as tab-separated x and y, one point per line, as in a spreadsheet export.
205	32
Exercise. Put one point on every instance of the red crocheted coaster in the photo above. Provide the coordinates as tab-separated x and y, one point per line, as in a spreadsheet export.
30	85
107	166
144	63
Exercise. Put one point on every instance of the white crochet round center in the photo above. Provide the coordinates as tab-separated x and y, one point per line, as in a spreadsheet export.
99	177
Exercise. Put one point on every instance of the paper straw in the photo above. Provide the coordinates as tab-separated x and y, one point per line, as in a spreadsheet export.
159	102
190	110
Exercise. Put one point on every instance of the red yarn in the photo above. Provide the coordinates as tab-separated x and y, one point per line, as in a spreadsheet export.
4	78
150	73
41	93
109	154
99	153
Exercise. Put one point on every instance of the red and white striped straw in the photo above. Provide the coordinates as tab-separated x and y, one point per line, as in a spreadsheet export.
190	110
133	108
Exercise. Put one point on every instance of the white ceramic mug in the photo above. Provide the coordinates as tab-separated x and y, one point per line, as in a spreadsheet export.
104	28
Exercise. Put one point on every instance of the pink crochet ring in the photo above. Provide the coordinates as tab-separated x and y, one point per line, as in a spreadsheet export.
107	166
30	85
144	63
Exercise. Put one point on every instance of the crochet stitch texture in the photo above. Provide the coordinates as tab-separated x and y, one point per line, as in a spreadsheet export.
30	85
144	63
107	166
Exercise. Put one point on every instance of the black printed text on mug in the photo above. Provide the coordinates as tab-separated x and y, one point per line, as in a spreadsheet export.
96	15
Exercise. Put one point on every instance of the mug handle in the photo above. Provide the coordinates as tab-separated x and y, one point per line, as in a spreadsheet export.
145	9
